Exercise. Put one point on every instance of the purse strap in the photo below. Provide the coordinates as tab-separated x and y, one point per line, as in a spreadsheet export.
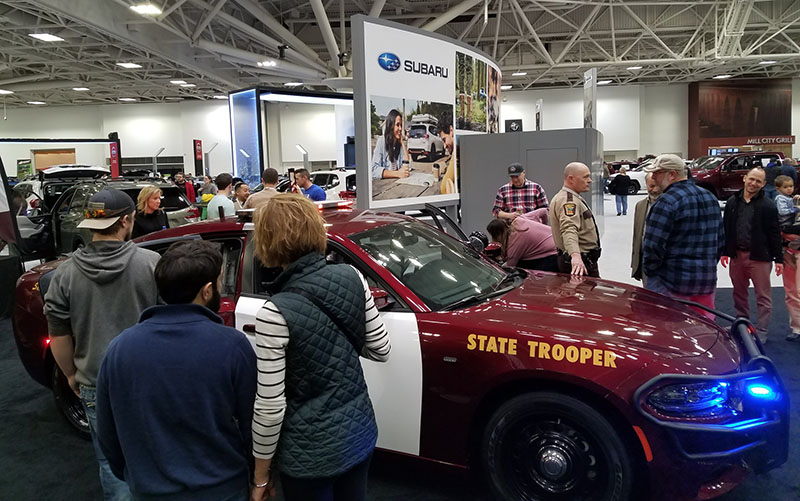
321	306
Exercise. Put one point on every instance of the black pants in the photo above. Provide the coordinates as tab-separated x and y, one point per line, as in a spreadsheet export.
547	263
565	264
349	486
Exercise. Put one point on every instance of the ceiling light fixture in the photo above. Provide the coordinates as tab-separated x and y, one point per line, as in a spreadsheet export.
46	37
177	82
128	99
722	77
4	92
603	82
80	89
146	9
633	68
36	102
505	87
519	73
767	62
220	96
295	98
293	84
267	64
129	66
188	85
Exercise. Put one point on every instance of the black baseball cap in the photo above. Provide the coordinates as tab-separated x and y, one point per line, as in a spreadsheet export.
515	170
105	208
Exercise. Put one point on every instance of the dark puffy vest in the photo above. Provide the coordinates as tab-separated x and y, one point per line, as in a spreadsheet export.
329	425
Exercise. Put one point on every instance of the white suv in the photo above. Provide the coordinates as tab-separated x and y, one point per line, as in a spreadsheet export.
334	181
424	140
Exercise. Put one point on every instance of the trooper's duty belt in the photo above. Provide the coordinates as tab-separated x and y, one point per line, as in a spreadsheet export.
590	255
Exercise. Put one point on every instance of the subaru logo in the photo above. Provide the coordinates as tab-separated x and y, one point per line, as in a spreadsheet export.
389	61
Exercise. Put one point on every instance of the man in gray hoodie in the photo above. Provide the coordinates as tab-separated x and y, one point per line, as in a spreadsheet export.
92	298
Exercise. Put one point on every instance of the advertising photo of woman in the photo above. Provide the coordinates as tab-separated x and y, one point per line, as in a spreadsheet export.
390	151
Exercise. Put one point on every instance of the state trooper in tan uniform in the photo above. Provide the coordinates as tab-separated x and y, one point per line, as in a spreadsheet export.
574	229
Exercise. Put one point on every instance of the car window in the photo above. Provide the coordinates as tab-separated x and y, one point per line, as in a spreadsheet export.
438	269
64	204
320	179
333	182
417	131
171	197
53	190
740	163
351	182
764	160
82	193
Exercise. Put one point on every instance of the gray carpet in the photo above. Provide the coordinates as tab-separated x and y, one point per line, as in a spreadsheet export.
41	458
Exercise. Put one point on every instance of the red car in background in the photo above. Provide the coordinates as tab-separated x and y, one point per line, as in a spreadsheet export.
555	387
723	175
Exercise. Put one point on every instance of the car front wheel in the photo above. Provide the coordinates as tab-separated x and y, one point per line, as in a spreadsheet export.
549	446
69	404
633	188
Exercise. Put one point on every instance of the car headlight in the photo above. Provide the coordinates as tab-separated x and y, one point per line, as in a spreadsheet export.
700	400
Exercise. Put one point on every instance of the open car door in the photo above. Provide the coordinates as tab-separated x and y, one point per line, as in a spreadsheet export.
25	233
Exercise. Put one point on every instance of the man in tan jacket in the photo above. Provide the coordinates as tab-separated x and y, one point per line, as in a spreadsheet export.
640	213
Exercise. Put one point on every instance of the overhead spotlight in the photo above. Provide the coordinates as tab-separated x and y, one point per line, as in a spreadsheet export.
519	73
269	63
220	96
188	85
46	37
767	62
177	82
146	9
634	68
293	84
603	82
722	77
4	92
80	89
36	102
128	99
505	87
129	66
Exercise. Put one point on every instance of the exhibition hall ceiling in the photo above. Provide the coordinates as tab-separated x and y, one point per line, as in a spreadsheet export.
103	51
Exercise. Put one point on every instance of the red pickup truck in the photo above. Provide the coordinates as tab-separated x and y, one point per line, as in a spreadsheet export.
723	175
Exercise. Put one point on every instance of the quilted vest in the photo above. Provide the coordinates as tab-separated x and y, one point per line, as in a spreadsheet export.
329	425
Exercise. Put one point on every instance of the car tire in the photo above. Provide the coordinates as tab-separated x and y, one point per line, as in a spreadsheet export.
551	446
634	187
69	404
432	155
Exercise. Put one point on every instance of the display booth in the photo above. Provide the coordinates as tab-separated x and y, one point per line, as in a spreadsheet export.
284	129
415	94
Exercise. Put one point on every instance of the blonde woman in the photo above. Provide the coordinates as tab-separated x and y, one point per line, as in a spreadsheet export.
149	215
312	415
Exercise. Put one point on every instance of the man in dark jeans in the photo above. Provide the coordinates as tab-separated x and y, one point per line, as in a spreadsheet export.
752	243
175	392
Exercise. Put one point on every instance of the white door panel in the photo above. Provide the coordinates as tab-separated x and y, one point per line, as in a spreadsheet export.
395	387
246	310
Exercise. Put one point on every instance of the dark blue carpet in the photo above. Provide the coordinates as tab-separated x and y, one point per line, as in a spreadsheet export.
40	457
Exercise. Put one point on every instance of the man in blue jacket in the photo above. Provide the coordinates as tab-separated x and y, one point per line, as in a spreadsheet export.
175	392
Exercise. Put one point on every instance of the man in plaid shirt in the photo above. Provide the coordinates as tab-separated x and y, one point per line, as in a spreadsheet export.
519	196
684	237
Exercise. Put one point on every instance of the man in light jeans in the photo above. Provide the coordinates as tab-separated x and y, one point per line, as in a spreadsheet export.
93	296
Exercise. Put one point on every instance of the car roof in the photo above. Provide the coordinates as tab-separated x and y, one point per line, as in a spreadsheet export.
342	221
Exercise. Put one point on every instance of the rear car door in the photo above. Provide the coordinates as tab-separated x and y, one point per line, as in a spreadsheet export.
71	236
733	172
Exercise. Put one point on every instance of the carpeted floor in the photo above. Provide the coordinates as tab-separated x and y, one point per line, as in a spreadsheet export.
41	458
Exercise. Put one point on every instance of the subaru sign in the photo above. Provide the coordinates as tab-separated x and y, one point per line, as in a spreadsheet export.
389	61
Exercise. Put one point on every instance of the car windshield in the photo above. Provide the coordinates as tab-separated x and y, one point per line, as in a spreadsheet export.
709	163
438	269
417	131
171	197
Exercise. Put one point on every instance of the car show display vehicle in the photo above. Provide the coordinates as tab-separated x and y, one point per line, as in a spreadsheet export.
334	181
423	138
44	189
556	387
637	175
723	175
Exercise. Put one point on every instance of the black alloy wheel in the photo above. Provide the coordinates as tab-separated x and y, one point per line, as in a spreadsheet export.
69	404
633	188
549	446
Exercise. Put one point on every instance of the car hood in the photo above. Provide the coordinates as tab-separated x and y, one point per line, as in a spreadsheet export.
600	311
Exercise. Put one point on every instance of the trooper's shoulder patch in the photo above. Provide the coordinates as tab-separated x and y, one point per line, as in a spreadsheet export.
570	208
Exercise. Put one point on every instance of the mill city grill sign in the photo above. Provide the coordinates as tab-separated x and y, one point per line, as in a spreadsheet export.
769	140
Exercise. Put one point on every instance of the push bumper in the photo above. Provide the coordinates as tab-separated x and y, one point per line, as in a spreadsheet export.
758	436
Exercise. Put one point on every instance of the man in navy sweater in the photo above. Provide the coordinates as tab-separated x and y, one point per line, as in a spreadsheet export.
175	392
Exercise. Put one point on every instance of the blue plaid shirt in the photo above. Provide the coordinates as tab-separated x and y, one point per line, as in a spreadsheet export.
683	241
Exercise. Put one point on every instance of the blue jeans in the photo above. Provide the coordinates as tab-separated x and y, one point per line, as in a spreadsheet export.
622	203
770	191
114	489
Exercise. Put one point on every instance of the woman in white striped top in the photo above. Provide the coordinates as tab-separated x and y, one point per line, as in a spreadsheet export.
312	412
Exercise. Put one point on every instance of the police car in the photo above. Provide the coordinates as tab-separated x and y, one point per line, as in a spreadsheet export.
554	387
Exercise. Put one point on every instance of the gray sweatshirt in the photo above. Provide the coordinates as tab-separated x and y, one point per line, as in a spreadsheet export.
97	294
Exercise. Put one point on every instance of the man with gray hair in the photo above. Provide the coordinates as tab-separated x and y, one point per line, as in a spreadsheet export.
640	213
684	237
574	229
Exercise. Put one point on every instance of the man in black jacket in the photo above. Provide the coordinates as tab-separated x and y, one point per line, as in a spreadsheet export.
752	243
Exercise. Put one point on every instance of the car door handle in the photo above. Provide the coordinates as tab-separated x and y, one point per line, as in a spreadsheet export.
251	328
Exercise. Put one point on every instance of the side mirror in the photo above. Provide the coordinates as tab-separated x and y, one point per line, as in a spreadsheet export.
382	298
478	241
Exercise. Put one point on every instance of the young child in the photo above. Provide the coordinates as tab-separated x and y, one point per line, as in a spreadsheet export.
785	202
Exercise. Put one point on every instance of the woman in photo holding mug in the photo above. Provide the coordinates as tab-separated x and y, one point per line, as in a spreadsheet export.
390	151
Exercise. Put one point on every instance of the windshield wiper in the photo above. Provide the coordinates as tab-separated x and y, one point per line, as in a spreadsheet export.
496	290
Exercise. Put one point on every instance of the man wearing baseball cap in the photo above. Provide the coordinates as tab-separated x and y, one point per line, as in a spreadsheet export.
684	237
93	296
518	196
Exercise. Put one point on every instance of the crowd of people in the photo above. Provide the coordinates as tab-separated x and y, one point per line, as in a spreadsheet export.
679	233
181	406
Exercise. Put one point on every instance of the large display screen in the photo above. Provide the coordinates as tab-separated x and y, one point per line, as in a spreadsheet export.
245	136
416	92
